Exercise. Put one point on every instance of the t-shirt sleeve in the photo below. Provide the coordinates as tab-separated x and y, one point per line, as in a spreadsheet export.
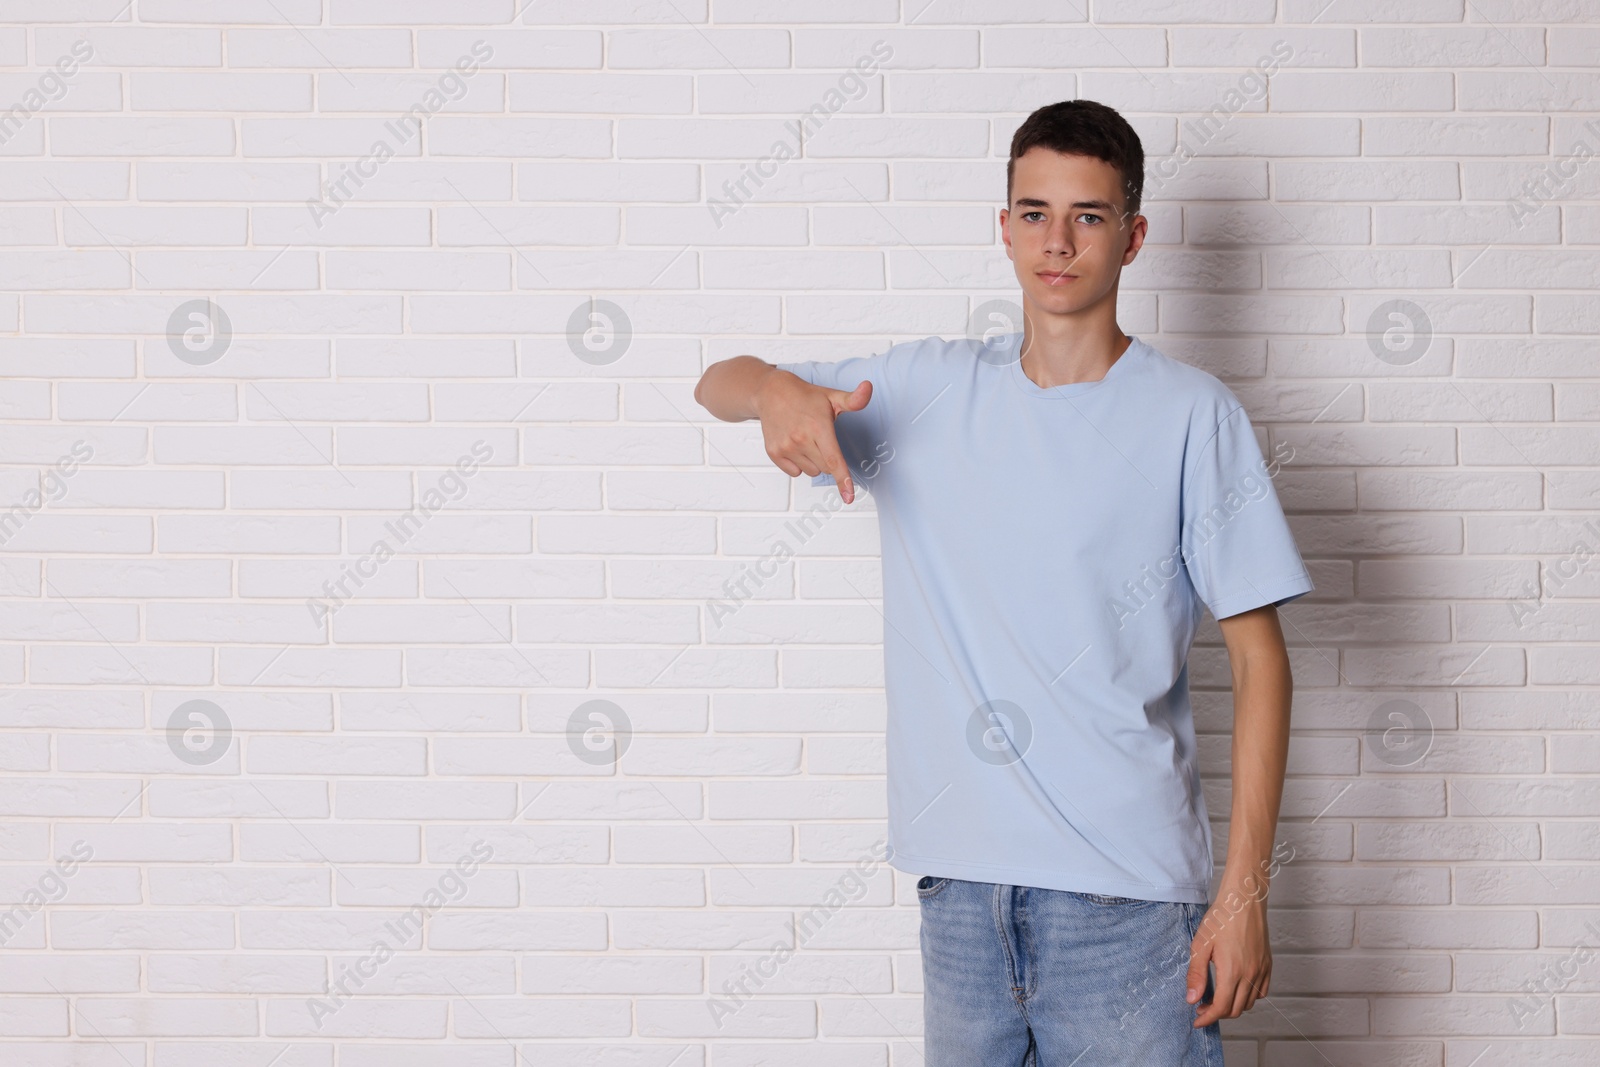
863	441
1236	543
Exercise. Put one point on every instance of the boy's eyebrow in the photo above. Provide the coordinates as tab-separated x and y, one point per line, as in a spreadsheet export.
1101	205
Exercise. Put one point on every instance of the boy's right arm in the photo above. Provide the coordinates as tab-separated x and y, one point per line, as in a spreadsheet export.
796	416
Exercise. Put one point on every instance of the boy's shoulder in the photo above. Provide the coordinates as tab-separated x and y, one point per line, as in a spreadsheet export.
909	367
1185	379
926	350
1177	390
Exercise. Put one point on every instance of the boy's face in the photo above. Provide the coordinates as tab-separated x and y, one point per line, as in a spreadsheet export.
1067	229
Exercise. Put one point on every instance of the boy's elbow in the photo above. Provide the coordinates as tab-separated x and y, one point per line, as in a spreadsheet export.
702	395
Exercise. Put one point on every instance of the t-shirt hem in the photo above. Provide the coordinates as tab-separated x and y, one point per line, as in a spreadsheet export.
1042	879
1280	591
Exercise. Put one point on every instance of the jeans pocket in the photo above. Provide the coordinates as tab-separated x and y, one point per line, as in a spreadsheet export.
928	886
1110	901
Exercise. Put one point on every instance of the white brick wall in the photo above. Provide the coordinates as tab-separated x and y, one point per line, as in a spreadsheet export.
400	731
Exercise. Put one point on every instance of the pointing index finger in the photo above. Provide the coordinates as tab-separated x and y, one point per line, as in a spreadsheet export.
841	475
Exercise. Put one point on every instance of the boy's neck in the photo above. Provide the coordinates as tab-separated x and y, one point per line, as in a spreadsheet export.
1064	352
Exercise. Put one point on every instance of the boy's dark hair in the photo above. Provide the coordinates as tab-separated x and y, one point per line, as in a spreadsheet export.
1084	128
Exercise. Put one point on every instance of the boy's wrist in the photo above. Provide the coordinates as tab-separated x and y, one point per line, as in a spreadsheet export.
760	398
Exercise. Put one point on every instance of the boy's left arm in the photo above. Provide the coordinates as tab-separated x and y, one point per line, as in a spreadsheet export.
1234	934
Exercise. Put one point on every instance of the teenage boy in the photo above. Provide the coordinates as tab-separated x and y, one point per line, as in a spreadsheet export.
1055	505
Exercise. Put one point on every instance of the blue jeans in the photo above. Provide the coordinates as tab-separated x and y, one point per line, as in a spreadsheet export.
1016	976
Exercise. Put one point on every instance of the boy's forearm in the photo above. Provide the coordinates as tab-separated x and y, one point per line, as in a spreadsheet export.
1263	689
1261	738
730	389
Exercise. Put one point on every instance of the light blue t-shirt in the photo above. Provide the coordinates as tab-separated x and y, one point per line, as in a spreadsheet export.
1045	556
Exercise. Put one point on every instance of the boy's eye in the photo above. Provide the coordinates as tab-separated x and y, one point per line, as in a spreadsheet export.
1085	215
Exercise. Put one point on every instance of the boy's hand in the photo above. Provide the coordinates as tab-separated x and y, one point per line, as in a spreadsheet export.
1234	940
797	425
